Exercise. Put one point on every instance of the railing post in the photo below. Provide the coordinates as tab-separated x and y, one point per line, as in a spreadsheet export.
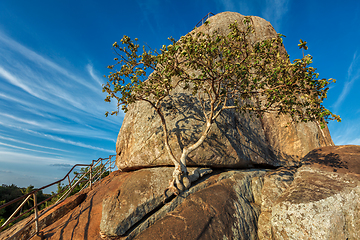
101	168
91	174
36	214
110	157
69	181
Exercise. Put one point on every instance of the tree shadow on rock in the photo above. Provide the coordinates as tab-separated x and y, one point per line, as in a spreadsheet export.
235	139
329	159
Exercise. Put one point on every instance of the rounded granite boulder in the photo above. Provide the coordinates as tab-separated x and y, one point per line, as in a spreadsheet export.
235	140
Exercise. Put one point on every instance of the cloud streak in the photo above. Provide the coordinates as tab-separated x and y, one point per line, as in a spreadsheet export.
31	144
63	140
58	139
13	157
42	61
353	75
272	10
27	149
90	70
47	81
15	81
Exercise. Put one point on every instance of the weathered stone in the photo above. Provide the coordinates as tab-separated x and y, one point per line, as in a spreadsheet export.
77	217
273	185
137	196
343	159
234	140
319	200
46	218
221	207
318	205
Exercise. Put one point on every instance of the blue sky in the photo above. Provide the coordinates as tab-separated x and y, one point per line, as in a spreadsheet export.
53	55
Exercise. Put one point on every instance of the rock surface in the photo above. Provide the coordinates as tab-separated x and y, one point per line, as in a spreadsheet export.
83	221
135	198
234	141
320	205
50	216
224	209
319	200
342	159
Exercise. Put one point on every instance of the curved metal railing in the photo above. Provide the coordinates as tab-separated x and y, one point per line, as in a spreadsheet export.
98	165
201	22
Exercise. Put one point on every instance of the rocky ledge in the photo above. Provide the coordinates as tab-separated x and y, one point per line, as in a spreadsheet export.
317	200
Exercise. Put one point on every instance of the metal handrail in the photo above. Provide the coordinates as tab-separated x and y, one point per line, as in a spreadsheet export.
68	189
201	22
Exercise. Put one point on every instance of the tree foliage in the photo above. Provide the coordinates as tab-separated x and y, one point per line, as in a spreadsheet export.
11	192
223	71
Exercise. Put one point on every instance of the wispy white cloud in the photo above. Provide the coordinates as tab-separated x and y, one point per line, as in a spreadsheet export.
228	4
271	10
79	144
47	91
34	123
26	149
90	70
31	144
16	157
42	61
15	81
50	112
345	140
67	141
48	81
150	10
27	104
353	74
274	12
346	132
69	130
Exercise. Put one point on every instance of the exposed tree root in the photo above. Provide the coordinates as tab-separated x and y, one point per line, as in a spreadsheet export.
181	180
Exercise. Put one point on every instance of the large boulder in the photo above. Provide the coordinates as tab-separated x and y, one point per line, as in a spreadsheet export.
225	209
139	195
223	200
318	201
234	140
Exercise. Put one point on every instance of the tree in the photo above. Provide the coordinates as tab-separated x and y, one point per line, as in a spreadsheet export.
11	192
223	72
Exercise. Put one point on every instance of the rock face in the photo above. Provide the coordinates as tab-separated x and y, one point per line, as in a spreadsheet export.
319	204
135	198
318	200
234	141
224	209
77	217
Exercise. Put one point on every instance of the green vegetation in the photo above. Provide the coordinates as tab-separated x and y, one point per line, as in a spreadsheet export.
11	192
223	72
